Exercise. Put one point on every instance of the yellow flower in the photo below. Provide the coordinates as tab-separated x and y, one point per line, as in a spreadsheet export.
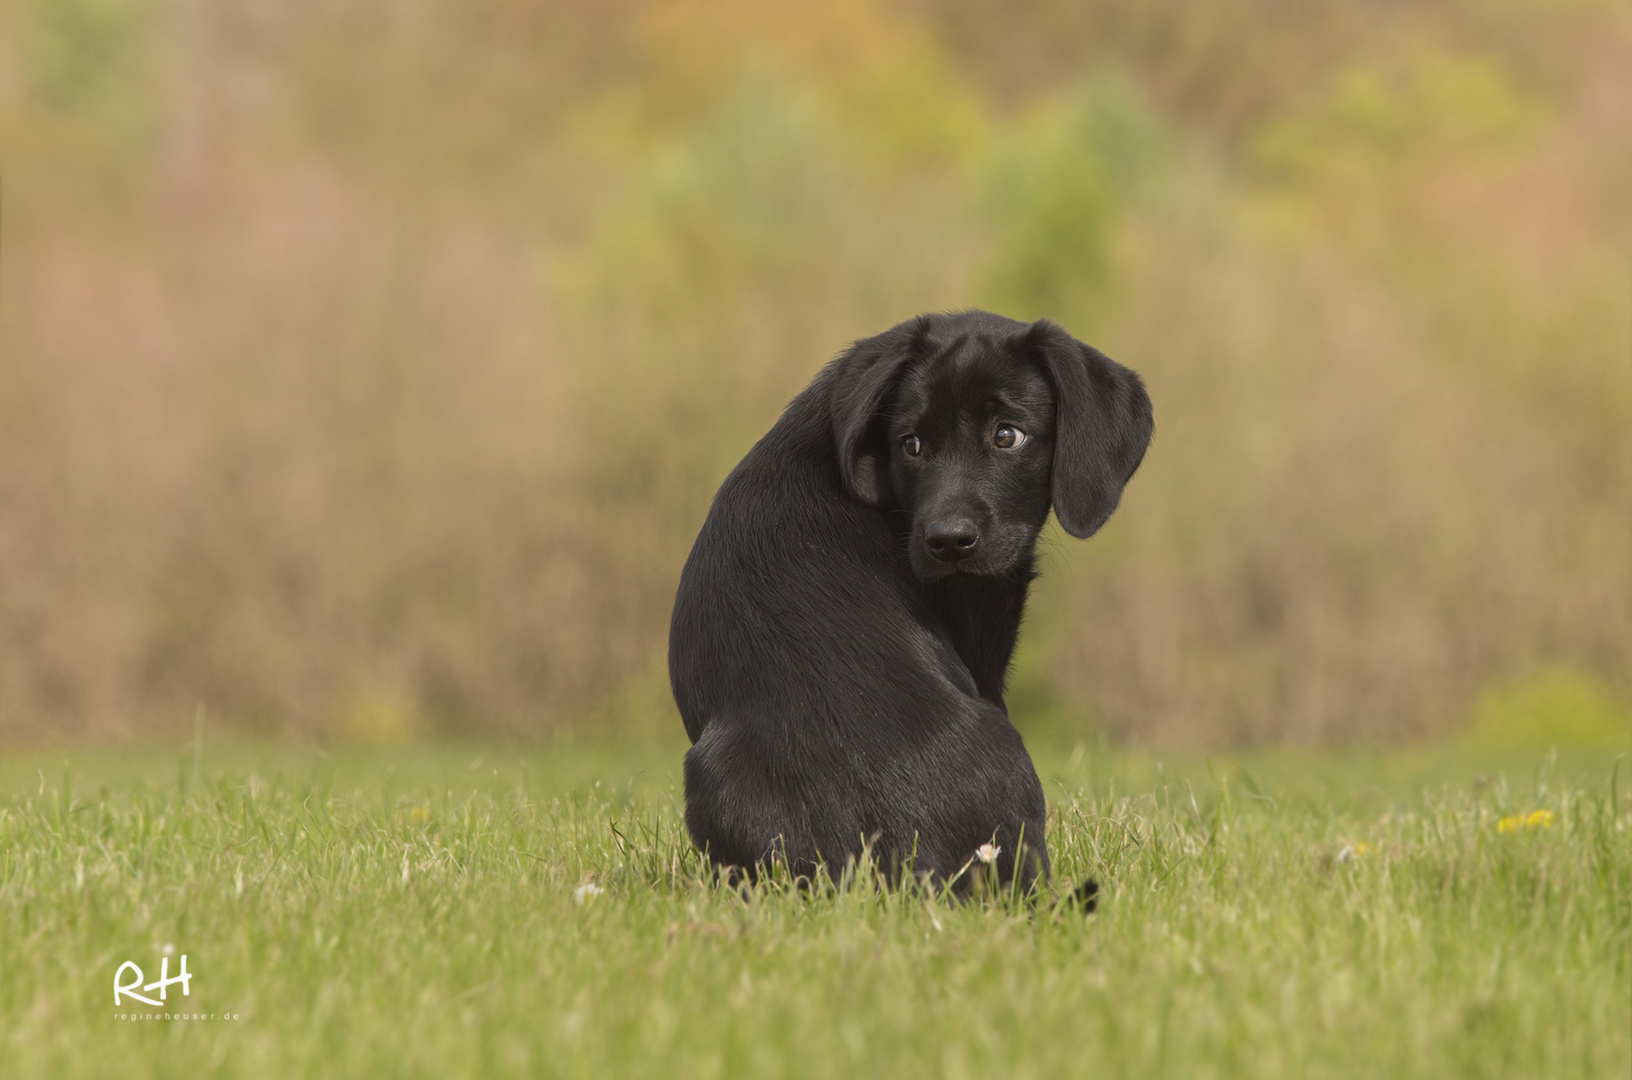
1536	819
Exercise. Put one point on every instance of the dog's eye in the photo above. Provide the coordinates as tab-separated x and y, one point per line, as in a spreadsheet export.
911	446
1007	437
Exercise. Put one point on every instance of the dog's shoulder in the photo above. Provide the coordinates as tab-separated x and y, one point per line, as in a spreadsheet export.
786	501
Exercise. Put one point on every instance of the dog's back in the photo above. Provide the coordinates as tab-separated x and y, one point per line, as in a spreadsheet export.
826	706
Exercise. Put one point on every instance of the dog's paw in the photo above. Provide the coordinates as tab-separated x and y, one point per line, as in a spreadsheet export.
1086	895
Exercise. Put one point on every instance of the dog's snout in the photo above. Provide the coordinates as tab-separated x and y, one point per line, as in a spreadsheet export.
952	540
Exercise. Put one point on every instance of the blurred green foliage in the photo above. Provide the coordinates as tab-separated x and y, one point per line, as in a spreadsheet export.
83	54
1371	119
1060	180
86	72
1552	708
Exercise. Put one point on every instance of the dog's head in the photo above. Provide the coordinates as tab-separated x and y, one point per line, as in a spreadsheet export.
973	424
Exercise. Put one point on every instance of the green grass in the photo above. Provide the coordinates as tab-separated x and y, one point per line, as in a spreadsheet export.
419	913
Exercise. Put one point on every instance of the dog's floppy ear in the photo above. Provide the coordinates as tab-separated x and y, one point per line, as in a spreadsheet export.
1102	424
859	381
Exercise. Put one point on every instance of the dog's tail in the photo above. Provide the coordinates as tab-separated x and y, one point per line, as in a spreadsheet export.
1086	896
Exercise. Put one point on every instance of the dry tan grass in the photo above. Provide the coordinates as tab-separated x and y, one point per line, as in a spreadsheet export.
365	372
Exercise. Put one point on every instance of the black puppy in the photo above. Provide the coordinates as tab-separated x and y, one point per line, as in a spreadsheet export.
845	622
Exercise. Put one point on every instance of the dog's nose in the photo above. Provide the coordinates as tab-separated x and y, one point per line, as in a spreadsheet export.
952	540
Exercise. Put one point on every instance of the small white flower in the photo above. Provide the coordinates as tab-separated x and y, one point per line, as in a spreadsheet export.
987	853
586	892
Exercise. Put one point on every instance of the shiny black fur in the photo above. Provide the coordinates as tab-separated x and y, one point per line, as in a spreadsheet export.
846	619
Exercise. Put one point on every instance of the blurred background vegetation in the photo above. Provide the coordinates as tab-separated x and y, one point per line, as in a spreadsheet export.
366	367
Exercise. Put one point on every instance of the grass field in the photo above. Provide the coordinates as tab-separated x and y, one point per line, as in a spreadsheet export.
471	912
